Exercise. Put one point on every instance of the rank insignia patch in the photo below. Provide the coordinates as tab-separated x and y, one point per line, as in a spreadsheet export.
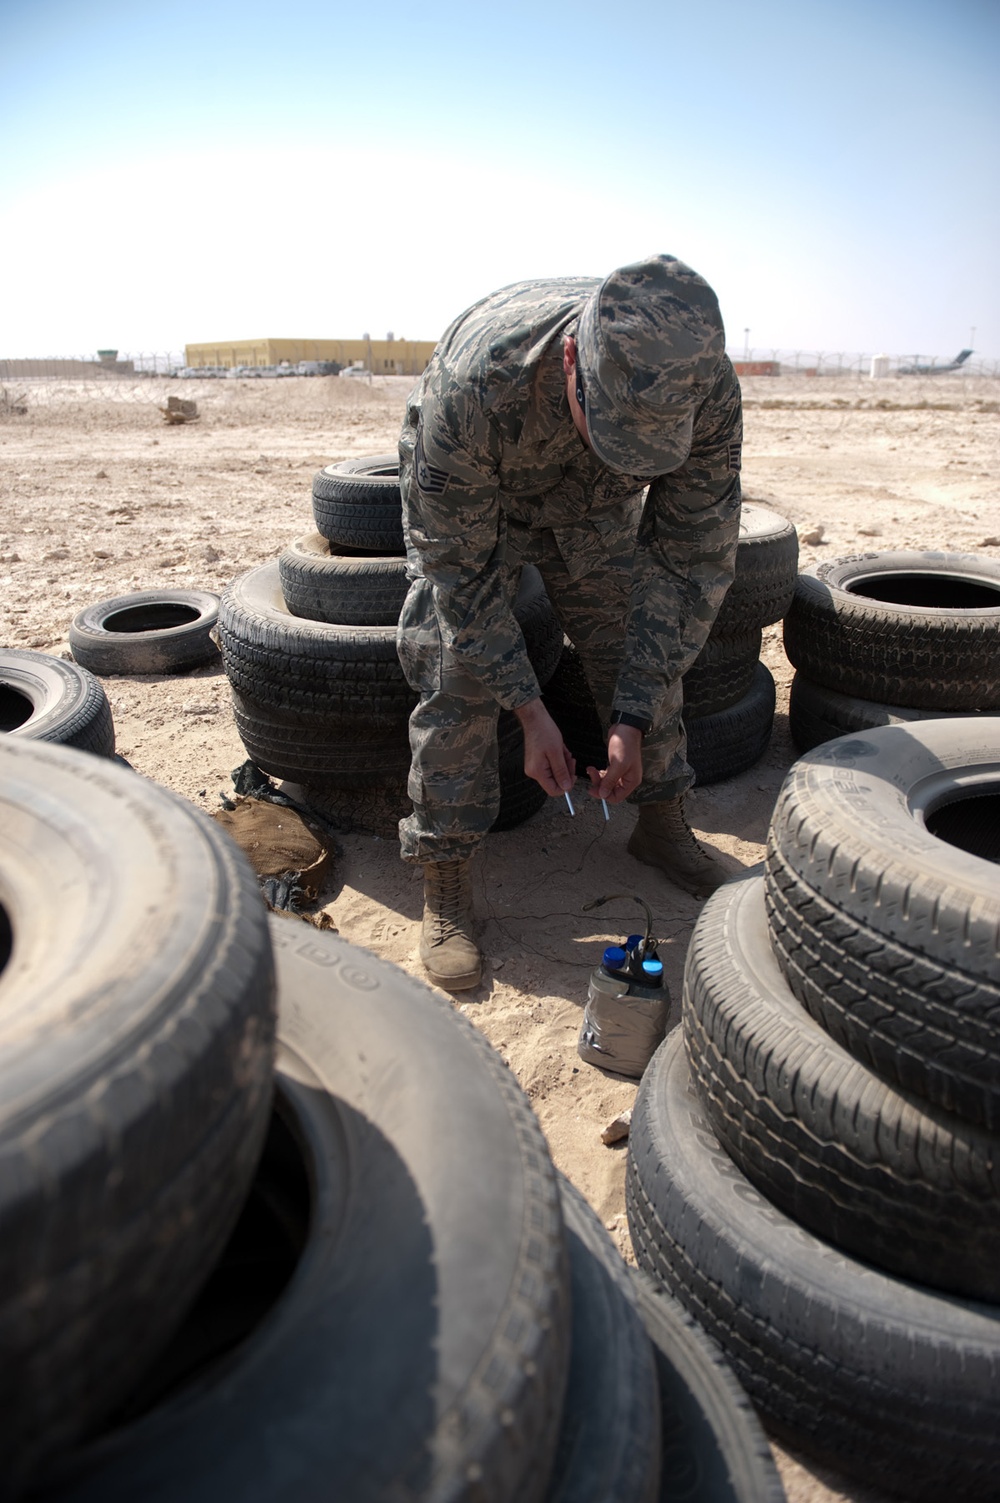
734	456
431	481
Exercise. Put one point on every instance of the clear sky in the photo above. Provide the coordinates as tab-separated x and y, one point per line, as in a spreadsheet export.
184	170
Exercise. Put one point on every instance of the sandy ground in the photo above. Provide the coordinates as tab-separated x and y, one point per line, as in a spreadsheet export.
101	497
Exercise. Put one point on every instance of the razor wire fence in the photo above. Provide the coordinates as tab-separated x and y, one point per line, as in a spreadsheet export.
143	377
60	381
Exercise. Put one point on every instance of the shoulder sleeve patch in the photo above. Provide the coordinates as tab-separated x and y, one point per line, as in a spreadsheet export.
734	456
431	480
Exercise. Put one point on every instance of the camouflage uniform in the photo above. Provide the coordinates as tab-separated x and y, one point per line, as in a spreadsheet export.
494	473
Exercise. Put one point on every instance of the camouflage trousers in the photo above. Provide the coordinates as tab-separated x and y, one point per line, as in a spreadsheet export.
454	781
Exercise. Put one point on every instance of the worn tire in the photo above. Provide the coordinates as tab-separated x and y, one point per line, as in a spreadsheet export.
378	805
816	714
319	754
721	674
767	561
533	611
884	904
917	629
875	1172
43	698
354	590
420	1350
520	796
568	699
609	1439
152	631
720	745
357	502
136	1033
714	1449
888	1380
732	741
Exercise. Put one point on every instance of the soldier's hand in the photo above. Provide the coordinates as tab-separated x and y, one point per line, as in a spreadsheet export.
623	773
547	759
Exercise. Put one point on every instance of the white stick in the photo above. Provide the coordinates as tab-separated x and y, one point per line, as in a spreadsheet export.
569	804
604	803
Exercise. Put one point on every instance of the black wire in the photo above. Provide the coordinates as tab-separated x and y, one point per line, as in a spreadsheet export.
560	871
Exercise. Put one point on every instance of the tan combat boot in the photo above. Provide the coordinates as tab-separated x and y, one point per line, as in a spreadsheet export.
662	837
447	947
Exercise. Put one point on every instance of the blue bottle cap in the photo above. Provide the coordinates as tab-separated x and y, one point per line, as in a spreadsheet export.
653	969
633	940
614	958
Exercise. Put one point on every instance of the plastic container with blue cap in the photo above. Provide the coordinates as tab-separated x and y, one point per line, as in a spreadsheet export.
628	1006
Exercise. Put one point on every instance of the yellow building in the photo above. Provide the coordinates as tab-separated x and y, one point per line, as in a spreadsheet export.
383	357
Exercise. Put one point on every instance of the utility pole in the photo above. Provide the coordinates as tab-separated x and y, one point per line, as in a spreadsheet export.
746	345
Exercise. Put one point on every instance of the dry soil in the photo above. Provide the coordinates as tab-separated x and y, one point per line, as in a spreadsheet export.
102	497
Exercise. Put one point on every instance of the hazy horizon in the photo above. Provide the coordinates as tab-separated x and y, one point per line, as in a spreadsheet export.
224	171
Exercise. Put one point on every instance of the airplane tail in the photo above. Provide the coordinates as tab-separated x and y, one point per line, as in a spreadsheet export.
961	357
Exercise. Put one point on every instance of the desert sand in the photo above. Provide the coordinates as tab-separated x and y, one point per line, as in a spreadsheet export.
102	497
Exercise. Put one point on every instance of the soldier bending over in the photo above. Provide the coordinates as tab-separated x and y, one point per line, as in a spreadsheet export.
546	411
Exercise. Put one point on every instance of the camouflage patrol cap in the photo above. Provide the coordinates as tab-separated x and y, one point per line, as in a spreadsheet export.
649	342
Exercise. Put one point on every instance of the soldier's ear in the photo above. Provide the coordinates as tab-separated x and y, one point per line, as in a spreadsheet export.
569	353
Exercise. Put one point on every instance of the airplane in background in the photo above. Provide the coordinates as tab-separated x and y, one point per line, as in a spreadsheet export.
934	370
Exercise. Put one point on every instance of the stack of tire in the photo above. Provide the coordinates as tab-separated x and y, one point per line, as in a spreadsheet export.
278	1223
136	1038
728	692
892	639
309	647
818	1180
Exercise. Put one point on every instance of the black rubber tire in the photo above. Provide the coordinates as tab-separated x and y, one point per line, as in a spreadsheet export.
355	590
568	699
343	677
328	762
891	1382
883	899
136	1038
767	561
378	807
609	1439
543	638
720	745
43	698
723	745
357	502
520	796
346	678
917	629
320	754
152	631
816	714
714	1448
875	1172
421	1347
721	674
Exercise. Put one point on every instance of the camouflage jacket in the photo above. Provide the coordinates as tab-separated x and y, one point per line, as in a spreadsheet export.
489	446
